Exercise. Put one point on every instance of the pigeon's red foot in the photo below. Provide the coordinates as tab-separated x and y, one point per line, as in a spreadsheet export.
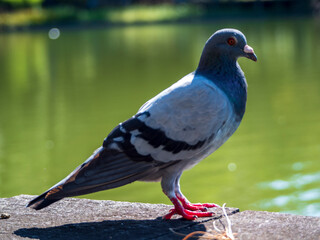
203	207
188	211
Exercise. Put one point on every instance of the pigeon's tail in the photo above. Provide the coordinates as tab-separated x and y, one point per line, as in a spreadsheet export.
42	201
105	169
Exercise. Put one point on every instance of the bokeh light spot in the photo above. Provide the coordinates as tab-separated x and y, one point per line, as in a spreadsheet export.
232	167
54	33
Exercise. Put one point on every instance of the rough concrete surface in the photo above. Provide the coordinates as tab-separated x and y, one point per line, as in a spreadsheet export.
73	218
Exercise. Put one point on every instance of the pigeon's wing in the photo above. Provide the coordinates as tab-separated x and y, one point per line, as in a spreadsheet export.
181	122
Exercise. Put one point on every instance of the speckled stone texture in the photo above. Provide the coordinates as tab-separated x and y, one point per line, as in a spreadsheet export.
74	218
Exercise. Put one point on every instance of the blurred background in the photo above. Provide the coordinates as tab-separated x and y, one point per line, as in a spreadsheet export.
72	70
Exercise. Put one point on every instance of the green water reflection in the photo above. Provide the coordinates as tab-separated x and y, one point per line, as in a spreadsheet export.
60	98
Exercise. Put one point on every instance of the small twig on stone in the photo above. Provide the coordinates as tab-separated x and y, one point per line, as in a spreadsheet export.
227	233
228	228
191	235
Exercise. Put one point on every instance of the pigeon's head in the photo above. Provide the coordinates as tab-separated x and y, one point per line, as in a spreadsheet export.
226	45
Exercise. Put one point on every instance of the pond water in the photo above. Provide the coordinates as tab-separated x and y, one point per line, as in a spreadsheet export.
60	98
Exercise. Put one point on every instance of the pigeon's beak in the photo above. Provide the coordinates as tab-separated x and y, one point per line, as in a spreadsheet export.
249	53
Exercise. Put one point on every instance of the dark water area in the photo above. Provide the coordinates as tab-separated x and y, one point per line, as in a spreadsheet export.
60	98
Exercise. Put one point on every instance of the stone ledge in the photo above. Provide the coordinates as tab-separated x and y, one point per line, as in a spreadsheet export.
73	218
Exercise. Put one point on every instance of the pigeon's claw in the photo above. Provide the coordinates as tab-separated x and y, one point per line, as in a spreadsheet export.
195	207
206	205
170	214
186	212
203	207
183	212
179	209
199	214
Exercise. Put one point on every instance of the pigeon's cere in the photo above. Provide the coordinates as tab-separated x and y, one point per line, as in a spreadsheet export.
171	132
248	49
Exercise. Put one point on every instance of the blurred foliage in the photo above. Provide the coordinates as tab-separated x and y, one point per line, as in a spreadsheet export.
100	3
152	13
18	3
28	13
69	14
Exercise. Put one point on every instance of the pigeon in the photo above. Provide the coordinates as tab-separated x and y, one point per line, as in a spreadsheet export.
171	132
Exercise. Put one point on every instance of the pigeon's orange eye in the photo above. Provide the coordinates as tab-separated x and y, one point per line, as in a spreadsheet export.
232	41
